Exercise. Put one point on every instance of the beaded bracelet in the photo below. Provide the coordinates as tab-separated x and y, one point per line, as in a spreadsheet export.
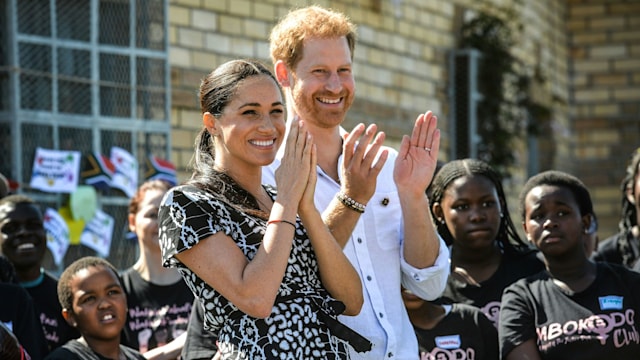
275	221
350	203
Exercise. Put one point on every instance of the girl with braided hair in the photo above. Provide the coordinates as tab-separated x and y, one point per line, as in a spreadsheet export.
471	214
624	247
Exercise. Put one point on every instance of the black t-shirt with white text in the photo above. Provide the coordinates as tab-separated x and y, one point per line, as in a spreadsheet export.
464	333
157	314
598	323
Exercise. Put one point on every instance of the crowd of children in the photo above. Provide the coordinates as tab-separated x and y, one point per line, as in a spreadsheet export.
505	298
231	268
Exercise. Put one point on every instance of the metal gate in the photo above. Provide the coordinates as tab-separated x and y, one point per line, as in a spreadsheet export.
83	75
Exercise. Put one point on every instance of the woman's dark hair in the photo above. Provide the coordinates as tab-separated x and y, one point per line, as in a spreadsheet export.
217	90
629	217
507	236
561	179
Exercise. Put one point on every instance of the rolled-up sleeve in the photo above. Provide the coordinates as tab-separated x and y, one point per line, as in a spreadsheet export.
427	283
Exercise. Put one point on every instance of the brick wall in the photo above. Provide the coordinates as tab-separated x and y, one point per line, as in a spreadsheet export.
604	40
585	55
400	60
400	57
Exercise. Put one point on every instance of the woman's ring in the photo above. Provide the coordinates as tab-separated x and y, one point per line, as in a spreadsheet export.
428	149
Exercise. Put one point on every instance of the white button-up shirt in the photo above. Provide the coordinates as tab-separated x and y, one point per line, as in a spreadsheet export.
375	250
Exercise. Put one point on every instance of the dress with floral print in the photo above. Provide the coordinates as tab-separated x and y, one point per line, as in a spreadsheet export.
296	328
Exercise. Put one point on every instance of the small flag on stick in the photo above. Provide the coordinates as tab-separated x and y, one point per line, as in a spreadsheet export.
160	169
97	171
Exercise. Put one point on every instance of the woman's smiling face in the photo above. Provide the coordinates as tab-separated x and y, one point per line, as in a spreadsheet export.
252	126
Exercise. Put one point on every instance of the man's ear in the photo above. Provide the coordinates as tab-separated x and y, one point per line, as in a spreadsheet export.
209	122
282	73
132	222
69	318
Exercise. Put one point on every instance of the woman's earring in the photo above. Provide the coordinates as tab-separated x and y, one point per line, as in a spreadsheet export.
441	221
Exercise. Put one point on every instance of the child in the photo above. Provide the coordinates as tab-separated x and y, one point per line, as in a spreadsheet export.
576	308
24	243
470	209
456	331
159	301
93	302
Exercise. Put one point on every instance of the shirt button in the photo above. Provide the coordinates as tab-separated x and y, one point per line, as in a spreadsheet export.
390	354
359	240
385	202
369	277
381	316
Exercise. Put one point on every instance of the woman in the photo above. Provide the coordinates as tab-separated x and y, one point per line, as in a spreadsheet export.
269	284
575	308
471	213
158	300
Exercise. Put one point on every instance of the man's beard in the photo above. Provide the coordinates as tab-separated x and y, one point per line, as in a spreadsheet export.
308	109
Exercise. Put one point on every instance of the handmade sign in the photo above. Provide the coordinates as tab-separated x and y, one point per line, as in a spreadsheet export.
125	177
57	235
55	170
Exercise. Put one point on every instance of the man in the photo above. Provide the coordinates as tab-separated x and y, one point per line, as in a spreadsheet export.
372	197
23	241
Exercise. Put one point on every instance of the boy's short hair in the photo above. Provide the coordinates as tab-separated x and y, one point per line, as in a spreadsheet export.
65	295
558	178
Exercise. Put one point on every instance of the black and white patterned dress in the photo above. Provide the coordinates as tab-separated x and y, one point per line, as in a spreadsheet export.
302	324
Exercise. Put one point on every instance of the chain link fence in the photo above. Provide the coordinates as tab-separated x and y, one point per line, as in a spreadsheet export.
84	75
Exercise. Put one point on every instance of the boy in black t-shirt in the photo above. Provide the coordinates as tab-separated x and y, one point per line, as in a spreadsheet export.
93	302
24	243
